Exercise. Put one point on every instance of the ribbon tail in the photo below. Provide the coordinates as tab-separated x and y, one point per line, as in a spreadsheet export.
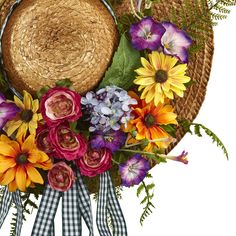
102	206
120	228
108	202
71	216
5	205
46	213
84	203
19	217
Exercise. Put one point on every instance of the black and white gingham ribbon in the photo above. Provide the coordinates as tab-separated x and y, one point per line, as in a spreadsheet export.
108	202
7	200
76	203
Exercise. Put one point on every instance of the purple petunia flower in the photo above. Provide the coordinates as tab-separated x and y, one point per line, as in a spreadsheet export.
146	34
7	111
112	140
134	170
175	42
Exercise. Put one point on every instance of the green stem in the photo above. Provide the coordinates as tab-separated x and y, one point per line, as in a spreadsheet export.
116	162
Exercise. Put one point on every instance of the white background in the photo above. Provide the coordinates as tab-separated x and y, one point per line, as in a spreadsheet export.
198	199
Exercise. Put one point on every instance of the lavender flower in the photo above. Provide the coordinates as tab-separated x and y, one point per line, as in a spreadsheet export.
7	111
108	108
146	34
112	140
134	170
181	158
175	42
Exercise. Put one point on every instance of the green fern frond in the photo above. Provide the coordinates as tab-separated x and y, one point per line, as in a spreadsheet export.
198	128
148	191
212	135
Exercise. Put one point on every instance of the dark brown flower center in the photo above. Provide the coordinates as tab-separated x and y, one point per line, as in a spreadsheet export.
22	158
149	120
26	115
161	76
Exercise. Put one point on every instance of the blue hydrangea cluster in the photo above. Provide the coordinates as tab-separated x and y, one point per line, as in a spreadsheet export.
108	108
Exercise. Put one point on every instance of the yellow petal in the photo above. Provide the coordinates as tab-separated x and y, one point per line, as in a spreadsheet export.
19	103
12	186
47	165
35	105
4	138
12	126
32	127
27	100
22	131
34	175
178	70
21	178
145	81
155	60
145	72
6	163
146	64
28	144
7	150
9	176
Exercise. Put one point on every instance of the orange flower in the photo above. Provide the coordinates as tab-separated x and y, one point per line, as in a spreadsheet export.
148	121
18	162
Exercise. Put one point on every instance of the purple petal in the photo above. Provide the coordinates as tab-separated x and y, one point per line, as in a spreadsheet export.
146	34
134	170
175	42
7	111
2	98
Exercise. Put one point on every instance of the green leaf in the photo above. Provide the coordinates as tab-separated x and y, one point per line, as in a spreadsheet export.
64	83
125	61
42	91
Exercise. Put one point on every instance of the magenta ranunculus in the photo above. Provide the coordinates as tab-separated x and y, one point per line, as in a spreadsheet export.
67	144
43	140
60	104
95	162
61	177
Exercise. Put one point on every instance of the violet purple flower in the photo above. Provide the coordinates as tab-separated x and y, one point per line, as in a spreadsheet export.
134	170
112	140
8	111
175	42
146	34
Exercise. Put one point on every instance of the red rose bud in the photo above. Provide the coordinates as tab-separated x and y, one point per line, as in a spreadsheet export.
67	144
43	141
95	162
61	177
60	104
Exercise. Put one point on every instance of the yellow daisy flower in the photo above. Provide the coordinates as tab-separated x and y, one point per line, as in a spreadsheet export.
19	161
160	78
26	119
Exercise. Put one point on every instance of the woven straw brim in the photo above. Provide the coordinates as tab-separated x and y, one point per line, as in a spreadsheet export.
46	41
199	71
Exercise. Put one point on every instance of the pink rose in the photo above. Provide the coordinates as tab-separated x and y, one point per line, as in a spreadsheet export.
67	144
95	162
43	141
60	104
61	177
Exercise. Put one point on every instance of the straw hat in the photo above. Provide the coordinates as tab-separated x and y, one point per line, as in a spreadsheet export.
33	36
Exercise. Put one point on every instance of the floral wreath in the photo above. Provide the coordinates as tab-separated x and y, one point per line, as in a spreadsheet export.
49	143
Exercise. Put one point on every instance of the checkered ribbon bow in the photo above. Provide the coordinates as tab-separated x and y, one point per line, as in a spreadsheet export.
76	204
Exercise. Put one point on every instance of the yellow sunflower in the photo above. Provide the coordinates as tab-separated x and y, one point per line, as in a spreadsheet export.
18	162
147	122
160	78
26	119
